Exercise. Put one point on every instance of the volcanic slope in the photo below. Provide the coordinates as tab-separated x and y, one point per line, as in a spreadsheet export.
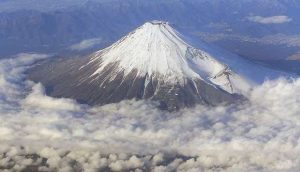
153	62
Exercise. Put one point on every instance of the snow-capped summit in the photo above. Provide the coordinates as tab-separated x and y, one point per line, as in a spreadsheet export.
153	49
153	62
156	49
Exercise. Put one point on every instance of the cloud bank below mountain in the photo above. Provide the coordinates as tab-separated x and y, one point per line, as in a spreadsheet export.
40	132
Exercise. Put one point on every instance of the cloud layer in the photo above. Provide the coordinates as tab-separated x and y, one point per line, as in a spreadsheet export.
86	44
38	132
270	20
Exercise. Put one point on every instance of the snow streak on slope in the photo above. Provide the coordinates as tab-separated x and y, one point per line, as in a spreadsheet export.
156	49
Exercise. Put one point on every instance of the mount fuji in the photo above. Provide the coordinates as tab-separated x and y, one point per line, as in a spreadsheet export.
154	62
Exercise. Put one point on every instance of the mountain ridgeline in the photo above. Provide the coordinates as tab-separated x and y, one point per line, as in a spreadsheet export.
55	25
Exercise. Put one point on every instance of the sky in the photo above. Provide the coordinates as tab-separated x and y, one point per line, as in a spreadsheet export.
262	134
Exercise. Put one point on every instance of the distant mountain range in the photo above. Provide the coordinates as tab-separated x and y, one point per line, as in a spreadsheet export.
53	26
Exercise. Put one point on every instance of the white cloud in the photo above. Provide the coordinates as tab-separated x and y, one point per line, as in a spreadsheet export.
270	20
260	135
86	44
38	99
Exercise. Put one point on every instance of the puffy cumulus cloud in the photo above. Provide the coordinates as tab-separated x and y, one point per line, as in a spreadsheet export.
40	133
38	98
270	20
86	44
